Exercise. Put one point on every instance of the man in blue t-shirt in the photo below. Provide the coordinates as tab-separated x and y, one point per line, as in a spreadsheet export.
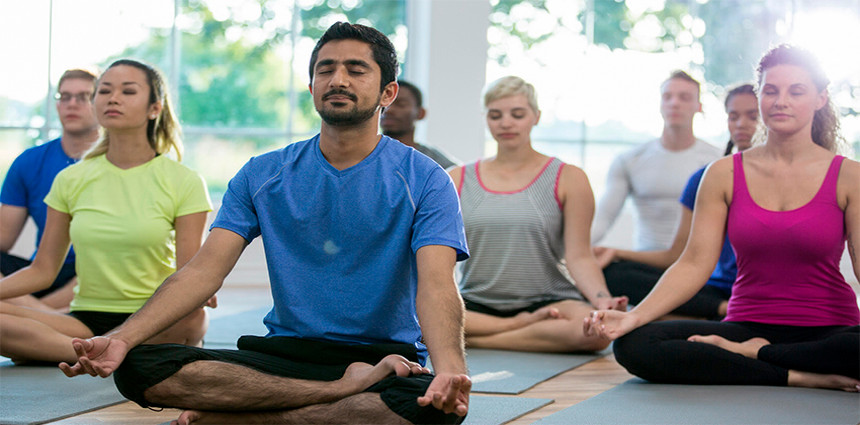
30	177
361	235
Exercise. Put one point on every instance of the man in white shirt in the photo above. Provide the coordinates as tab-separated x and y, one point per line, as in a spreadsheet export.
654	174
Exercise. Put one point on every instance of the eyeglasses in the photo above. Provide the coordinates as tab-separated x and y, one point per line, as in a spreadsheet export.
82	97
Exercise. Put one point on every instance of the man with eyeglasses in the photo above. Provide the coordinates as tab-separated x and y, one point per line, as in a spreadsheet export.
30	177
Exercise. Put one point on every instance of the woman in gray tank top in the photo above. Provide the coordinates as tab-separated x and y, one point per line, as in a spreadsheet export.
531	278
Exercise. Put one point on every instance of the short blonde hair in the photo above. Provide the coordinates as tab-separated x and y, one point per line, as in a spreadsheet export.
511	86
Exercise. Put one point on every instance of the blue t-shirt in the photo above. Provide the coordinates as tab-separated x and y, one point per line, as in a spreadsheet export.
29	179
340	244
727	268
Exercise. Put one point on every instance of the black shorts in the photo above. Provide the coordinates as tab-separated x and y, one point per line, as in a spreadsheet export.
100	322
10	264
147	365
480	308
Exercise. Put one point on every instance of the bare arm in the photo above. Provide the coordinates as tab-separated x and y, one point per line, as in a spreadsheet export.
440	308
12	220
851	188
457	173
440	313
684	278
52	252
578	209
189	236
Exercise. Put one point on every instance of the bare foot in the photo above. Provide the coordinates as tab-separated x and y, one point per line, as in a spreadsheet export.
747	348
526	318
359	376
797	378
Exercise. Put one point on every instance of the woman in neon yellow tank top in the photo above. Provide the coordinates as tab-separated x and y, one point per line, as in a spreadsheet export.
133	214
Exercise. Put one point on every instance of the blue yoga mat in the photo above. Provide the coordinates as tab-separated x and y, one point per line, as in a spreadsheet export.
637	401
512	372
489	410
39	394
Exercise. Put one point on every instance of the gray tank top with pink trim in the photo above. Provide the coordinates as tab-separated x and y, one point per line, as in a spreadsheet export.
516	242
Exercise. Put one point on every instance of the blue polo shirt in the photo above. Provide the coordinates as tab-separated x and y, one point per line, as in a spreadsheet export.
341	244
29	179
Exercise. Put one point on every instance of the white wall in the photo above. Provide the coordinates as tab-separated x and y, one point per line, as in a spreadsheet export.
447	59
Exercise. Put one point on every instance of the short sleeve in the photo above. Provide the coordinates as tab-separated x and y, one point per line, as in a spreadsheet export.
237	212
14	190
193	196
438	219
688	196
57	198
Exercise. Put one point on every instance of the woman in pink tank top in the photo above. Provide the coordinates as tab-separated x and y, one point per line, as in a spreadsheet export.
788	207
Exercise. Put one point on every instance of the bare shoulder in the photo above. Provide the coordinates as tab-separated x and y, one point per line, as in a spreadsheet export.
850	168
572	178
848	185
456	174
718	178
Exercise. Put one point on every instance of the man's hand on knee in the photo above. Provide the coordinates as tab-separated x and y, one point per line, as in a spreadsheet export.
96	356
449	393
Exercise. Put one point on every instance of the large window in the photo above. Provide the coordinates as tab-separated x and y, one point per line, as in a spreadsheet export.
598	64
237	68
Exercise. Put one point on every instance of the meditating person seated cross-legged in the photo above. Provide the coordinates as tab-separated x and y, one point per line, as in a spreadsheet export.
788	207
711	301
133	214
527	219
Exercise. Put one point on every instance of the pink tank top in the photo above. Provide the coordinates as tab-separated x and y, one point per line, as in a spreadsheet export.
788	261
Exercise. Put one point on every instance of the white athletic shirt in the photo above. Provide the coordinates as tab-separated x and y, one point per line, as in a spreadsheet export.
654	177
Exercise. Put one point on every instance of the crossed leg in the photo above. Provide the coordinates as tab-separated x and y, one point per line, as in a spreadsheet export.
28	334
796	378
221	392
554	328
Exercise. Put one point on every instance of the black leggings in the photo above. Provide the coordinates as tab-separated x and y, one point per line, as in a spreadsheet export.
636	280
660	352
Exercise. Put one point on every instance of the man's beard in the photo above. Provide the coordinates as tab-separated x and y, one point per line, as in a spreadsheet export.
348	118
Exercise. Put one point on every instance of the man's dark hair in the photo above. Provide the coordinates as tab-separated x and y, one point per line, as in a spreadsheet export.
419	98
383	51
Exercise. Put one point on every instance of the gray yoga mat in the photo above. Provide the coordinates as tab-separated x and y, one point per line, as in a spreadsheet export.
488	410
39	394
512	372
223	332
640	402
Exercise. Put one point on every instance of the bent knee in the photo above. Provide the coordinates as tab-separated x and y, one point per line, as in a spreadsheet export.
147	365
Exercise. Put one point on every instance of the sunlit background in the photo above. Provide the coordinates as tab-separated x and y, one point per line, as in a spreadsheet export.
238	68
